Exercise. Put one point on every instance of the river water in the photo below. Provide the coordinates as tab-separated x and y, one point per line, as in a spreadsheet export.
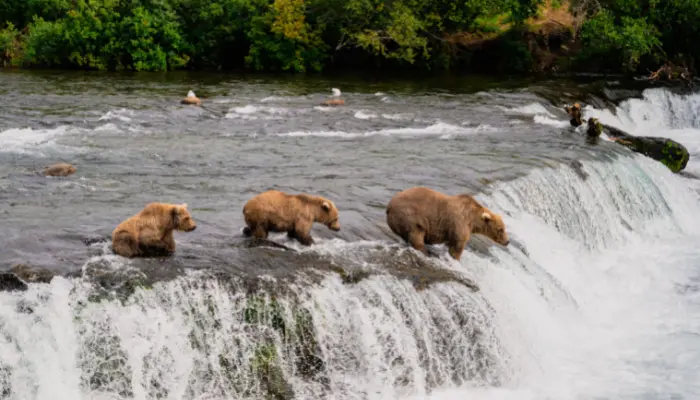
598	297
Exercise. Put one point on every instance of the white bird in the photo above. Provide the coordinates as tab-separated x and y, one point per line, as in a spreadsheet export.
336	92
190	94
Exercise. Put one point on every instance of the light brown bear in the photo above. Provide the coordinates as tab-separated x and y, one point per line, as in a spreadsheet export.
423	216
60	169
275	211
575	114
150	232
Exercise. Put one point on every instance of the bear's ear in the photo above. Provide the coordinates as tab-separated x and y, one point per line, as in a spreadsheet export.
486	217
326	206
175	215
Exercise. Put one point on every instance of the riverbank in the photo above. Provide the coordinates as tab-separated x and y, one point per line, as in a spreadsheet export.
503	37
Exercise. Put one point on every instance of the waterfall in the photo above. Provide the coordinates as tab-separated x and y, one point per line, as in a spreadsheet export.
602	300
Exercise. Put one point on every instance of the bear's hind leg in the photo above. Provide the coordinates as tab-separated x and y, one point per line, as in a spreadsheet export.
259	231
417	240
125	245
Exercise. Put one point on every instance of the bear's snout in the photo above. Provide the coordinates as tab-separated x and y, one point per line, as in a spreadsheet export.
507	242
335	226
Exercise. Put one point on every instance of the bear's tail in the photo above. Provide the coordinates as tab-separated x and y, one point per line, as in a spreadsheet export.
247	231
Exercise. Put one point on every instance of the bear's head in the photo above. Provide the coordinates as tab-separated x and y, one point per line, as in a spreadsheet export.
492	226
329	215
182	220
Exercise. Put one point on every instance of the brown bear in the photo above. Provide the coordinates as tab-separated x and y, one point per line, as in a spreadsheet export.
275	211
150	232
423	216
333	102
575	114
60	169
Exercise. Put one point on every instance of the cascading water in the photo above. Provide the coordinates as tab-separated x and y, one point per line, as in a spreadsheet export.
598	298
601	307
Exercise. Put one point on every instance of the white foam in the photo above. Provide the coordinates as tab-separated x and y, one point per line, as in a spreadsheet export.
26	140
437	129
398	117
362	114
530	109
122	114
253	112
545	120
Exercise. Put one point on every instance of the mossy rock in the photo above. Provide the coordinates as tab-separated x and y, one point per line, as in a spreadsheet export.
308	363
263	312
266	367
670	153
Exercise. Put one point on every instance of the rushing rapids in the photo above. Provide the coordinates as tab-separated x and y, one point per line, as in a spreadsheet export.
599	297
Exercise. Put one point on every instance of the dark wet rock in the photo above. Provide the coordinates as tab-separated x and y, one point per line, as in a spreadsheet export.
577	166
10	282
24	307
32	274
5	382
689	175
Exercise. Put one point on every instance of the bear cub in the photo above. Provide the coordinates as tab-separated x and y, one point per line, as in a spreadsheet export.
150	232
423	216
276	211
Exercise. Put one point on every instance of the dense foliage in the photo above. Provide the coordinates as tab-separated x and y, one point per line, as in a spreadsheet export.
641	34
294	35
309	35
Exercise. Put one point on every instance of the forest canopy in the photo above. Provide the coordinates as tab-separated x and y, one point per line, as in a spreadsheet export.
312	35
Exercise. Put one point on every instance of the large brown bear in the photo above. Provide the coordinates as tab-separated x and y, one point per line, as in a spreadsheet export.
275	211
423	216
150	232
60	169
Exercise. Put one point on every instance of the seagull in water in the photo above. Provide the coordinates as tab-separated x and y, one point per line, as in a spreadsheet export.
191	99
335	101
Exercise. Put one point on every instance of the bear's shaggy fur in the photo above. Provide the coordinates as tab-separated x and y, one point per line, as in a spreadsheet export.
275	211
60	169
423	216
150	232
333	102
575	114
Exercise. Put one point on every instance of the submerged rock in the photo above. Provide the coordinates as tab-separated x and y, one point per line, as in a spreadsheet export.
20	275
32	274
10	283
